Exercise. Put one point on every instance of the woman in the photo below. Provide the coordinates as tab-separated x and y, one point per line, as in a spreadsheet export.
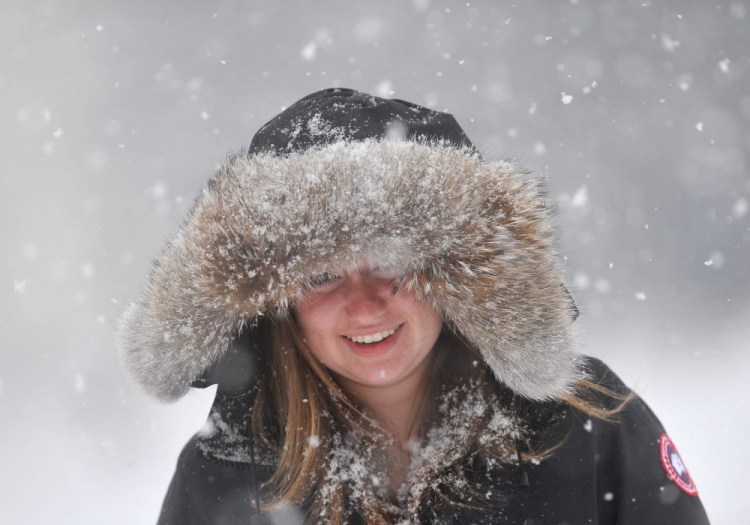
386	320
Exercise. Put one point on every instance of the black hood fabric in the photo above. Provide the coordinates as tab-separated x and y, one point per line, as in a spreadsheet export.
343	180
337	114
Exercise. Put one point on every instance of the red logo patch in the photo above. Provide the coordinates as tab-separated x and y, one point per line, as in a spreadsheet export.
674	467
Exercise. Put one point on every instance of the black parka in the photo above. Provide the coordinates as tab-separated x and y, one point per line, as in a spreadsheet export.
605	473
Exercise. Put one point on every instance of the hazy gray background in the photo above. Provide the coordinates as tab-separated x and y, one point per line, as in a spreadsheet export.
114	114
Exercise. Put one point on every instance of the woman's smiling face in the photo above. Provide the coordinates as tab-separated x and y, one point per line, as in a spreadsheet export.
364	333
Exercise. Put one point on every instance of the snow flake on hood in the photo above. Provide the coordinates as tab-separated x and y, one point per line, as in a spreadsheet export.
475	240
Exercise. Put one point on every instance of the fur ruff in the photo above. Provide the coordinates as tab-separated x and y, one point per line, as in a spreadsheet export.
475	240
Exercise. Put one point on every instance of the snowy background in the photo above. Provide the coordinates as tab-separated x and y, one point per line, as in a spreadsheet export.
114	114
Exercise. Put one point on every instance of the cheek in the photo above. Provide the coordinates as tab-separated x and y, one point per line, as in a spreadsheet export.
432	328
430	322
310	335
307	313
316	321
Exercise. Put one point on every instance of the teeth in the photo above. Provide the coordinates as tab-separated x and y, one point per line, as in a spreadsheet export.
372	338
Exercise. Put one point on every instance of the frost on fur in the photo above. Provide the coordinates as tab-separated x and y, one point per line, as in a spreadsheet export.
474	239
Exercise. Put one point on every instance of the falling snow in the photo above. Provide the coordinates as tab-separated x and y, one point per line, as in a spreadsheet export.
669	43
109	145
715	260
309	51
79	384
580	197
740	207
19	286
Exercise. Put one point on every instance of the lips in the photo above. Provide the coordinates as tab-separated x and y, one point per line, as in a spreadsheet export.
372	338
375	343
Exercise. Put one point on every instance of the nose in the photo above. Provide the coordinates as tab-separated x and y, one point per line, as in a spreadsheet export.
367	298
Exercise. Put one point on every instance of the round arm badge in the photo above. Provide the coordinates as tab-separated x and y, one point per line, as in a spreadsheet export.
674	467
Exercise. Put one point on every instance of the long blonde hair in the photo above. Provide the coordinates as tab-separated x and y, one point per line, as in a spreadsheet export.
300	407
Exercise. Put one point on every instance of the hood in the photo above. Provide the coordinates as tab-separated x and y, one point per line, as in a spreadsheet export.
473	238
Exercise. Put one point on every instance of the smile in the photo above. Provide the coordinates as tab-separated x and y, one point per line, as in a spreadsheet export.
372	338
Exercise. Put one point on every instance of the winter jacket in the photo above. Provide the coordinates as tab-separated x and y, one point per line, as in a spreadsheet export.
343	180
603	473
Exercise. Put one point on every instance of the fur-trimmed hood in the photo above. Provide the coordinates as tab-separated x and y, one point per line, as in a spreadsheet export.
473	238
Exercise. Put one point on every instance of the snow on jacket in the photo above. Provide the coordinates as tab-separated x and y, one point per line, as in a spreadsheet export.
342	180
605	473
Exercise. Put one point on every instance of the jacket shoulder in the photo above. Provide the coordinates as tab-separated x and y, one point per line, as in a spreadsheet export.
599	373
640	475
207	491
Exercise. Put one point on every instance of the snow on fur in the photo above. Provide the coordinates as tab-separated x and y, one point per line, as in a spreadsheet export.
474	239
